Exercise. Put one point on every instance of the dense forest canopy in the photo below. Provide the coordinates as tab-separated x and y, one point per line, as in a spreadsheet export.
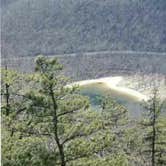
30	27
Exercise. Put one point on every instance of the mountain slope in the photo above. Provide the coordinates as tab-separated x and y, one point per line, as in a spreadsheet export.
30	27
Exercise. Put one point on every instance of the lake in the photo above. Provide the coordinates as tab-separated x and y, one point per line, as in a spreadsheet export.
96	91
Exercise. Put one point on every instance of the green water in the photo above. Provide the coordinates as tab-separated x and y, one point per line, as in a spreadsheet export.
97	90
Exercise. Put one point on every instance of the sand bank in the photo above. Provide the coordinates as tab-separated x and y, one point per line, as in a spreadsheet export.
114	84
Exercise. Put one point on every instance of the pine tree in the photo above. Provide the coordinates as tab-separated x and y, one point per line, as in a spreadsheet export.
53	105
116	118
154	132
117	113
52	124
55	118
11	100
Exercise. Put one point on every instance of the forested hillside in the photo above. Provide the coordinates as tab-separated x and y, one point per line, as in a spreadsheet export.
30	27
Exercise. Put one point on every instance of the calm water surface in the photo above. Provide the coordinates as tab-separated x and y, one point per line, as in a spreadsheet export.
98	90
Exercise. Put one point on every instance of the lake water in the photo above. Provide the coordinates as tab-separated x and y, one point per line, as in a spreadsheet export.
98	90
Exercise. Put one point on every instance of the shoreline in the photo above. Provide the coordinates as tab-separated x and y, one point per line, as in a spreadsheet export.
113	83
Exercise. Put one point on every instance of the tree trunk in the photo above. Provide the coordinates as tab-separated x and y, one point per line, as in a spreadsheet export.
7	95
55	121
154	133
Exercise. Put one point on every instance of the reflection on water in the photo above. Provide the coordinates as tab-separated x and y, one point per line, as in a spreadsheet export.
96	91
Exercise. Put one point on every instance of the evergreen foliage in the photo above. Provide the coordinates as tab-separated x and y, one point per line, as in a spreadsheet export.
45	121
154	132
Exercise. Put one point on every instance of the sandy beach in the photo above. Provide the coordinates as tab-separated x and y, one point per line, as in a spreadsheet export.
114	84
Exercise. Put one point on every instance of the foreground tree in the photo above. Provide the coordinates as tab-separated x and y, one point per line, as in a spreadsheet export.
116	121
9	87
154	132
52	125
117	114
12	103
